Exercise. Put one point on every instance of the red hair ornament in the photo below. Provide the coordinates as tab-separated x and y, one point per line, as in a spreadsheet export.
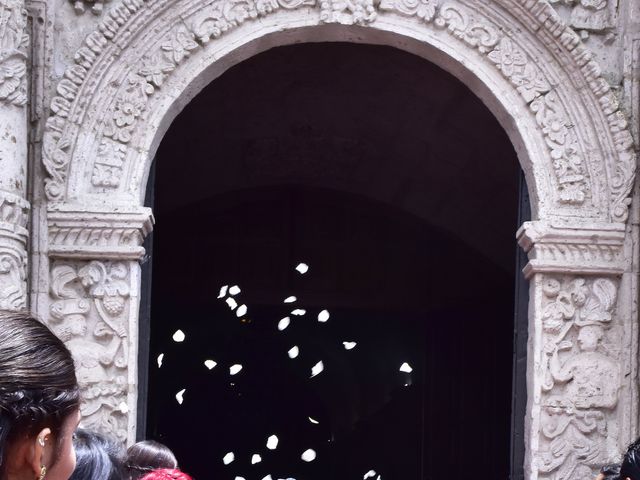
166	474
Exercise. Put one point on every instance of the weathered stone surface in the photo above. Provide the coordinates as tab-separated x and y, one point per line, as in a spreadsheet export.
552	72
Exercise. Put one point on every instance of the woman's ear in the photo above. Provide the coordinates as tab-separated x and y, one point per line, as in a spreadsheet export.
42	448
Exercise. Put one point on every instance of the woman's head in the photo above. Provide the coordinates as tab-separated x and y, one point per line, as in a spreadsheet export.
39	400
630	466
97	457
166	474
148	455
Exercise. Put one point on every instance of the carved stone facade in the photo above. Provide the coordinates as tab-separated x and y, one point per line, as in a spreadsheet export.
533	62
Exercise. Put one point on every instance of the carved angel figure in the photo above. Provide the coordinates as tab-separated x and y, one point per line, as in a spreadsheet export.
592	378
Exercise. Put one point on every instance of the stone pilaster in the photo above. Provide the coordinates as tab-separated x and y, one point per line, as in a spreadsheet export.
94	298
13	155
580	376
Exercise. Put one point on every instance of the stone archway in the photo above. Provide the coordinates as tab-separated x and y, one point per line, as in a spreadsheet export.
147	59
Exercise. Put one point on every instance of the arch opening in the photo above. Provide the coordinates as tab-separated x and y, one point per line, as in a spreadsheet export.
285	159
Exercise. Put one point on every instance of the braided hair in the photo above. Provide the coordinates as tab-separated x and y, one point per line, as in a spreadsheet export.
38	385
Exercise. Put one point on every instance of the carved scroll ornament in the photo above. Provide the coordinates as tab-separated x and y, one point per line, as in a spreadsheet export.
581	377
88	312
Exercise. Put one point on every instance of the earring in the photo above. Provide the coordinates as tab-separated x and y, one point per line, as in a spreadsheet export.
43	472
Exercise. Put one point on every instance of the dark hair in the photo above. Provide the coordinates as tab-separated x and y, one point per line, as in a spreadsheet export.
148	455
166	474
630	466
97	457
610	472
38	386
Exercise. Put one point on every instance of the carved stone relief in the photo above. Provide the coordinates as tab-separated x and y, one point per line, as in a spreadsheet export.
590	14
14	213
581	376
126	114
88	311
14	43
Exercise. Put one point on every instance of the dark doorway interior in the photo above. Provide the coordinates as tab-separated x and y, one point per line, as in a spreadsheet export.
400	190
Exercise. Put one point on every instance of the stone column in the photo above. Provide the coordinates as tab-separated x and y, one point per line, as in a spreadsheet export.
14	209
94	299
580	376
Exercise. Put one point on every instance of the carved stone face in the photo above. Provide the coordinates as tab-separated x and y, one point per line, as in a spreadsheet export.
589	337
76	325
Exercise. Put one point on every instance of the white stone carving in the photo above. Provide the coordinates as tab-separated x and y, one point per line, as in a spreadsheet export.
158	59
13	52
581	376
145	57
88	305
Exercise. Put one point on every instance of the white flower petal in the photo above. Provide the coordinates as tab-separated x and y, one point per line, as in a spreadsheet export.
160	359
309	455
180	396
179	336
255	458
235	290
228	458
123	407
223	291
317	369
314	421
210	364
290	299
298	311
293	352
284	323
302	268
232	303
406	368
239	478
272	442
268	477
235	369
369	474
242	310
323	316
349	345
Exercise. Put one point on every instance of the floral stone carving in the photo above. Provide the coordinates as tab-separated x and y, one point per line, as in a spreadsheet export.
88	312
13	52
581	376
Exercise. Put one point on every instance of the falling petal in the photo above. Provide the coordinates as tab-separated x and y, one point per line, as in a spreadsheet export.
228	458
290	299
317	369
293	352
123	407
235	369
239	478
242	310
179	336
180	396
314	421
302	268
349	345
272	442
406	368
223	291
209	364
235	290
255	458
323	316
284	323
298	311
309	455
268	477
232	303
369	474
160	359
